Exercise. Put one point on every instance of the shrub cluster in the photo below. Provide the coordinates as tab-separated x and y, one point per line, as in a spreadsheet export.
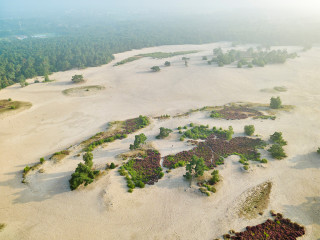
139	139
203	132
276	149
83	173
164	132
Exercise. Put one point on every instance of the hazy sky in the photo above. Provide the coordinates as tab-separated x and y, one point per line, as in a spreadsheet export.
15	8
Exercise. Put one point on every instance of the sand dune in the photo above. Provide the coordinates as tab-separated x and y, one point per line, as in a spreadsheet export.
45	208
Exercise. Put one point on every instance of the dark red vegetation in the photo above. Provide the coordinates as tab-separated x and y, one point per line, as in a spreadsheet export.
238	112
277	229
213	148
146	169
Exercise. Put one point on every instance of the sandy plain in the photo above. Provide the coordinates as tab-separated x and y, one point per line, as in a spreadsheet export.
45	208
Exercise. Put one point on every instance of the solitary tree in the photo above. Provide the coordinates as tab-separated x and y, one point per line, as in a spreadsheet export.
77	78
195	167
46	78
275	103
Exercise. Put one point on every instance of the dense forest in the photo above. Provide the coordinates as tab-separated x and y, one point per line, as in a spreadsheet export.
71	43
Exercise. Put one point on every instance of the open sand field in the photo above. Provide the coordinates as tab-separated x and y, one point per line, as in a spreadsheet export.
45	208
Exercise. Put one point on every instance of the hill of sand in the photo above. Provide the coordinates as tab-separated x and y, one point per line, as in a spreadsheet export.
45	208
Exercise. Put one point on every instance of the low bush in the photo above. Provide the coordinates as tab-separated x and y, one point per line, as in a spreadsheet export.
277	151
139	139
164	132
155	69
275	103
249	130
277	138
42	160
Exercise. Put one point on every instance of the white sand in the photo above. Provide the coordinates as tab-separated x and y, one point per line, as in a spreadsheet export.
47	209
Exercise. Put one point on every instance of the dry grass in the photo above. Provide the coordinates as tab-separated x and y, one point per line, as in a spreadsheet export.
256	201
7	105
85	90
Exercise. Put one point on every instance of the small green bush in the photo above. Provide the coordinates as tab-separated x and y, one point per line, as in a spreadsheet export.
130	190
42	160
318	151
277	151
246	167
264	160
26	169
249	130
9	99
182	139
112	166
155	69
277	138
275	103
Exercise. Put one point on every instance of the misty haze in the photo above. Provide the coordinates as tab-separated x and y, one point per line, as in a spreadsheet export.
138	120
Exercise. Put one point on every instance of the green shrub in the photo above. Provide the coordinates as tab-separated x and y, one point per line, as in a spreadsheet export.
264	160
130	190
9	99
179	128
249	130
75	79
140	184
182	139
204	58
83	174
215	177
42	160
112	166
277	151
277	138
12	107
139	139
275	103
164	132
318	151
161	174
246	167
26	169
167	64
155	69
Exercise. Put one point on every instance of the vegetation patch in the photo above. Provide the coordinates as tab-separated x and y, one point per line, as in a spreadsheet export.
156	55
58	156
7	105
250	57
164	132
122	129
216	147
27	169
235	112
83	91
2	226
255	201
141	170
84	173
162	117
278	228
